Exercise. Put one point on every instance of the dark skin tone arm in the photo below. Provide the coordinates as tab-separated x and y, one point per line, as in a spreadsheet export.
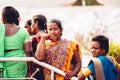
28	48
28	51
40	51
77	66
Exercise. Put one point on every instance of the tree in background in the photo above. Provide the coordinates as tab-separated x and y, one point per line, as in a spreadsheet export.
78	2
114	50
92	2
88	2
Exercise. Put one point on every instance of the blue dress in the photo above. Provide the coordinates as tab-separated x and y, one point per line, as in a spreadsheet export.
110	70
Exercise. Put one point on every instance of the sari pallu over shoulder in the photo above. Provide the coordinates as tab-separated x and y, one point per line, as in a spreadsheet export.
60	54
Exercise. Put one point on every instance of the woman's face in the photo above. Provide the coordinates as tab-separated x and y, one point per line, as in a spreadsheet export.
95	49
54	31
28	28
34	26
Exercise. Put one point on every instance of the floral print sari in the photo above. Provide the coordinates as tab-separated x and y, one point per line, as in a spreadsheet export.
59	54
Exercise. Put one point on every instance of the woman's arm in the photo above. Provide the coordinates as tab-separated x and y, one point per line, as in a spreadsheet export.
28	52
40	51
84	73
28	48
76	62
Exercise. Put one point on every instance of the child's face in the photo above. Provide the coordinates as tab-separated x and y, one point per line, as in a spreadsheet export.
95	49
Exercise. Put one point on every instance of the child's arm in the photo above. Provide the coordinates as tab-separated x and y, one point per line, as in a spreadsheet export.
85	73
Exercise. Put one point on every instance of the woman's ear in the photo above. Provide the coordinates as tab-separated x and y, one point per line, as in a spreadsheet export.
19	19
3	20
36	22
103	51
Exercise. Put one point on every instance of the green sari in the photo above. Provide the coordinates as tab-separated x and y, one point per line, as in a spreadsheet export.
16	41
2	35
16	69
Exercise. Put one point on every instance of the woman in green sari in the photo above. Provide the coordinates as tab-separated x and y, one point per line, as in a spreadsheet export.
14	41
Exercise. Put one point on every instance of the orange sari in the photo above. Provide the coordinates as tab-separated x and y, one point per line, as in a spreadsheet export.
59	54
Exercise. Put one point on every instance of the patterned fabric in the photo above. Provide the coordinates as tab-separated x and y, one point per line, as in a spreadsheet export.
59	55
16	41
35	41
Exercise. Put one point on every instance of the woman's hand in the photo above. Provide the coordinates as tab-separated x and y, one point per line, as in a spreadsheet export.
69	74
49	37
45	36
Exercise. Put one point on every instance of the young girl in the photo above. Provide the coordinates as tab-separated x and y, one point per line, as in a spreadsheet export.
99	50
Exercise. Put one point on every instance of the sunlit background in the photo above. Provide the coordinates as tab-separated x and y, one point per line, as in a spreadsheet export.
81	18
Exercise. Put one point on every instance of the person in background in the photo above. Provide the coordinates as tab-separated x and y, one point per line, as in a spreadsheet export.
58	52
99	50
14	43
27	25
38	27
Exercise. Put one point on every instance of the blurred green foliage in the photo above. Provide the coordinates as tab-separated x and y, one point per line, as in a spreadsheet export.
114	51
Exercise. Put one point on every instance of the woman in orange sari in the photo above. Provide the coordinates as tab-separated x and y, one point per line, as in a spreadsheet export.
60	53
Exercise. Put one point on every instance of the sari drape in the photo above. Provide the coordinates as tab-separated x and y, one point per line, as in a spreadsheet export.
109	69
16	69
59	54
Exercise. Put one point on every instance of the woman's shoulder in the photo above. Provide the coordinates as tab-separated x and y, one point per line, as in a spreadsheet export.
23	30
36	38
70	41
73	43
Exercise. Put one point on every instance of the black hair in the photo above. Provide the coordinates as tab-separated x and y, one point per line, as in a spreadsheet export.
57	21
42	22
10	15
103	41
29	22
